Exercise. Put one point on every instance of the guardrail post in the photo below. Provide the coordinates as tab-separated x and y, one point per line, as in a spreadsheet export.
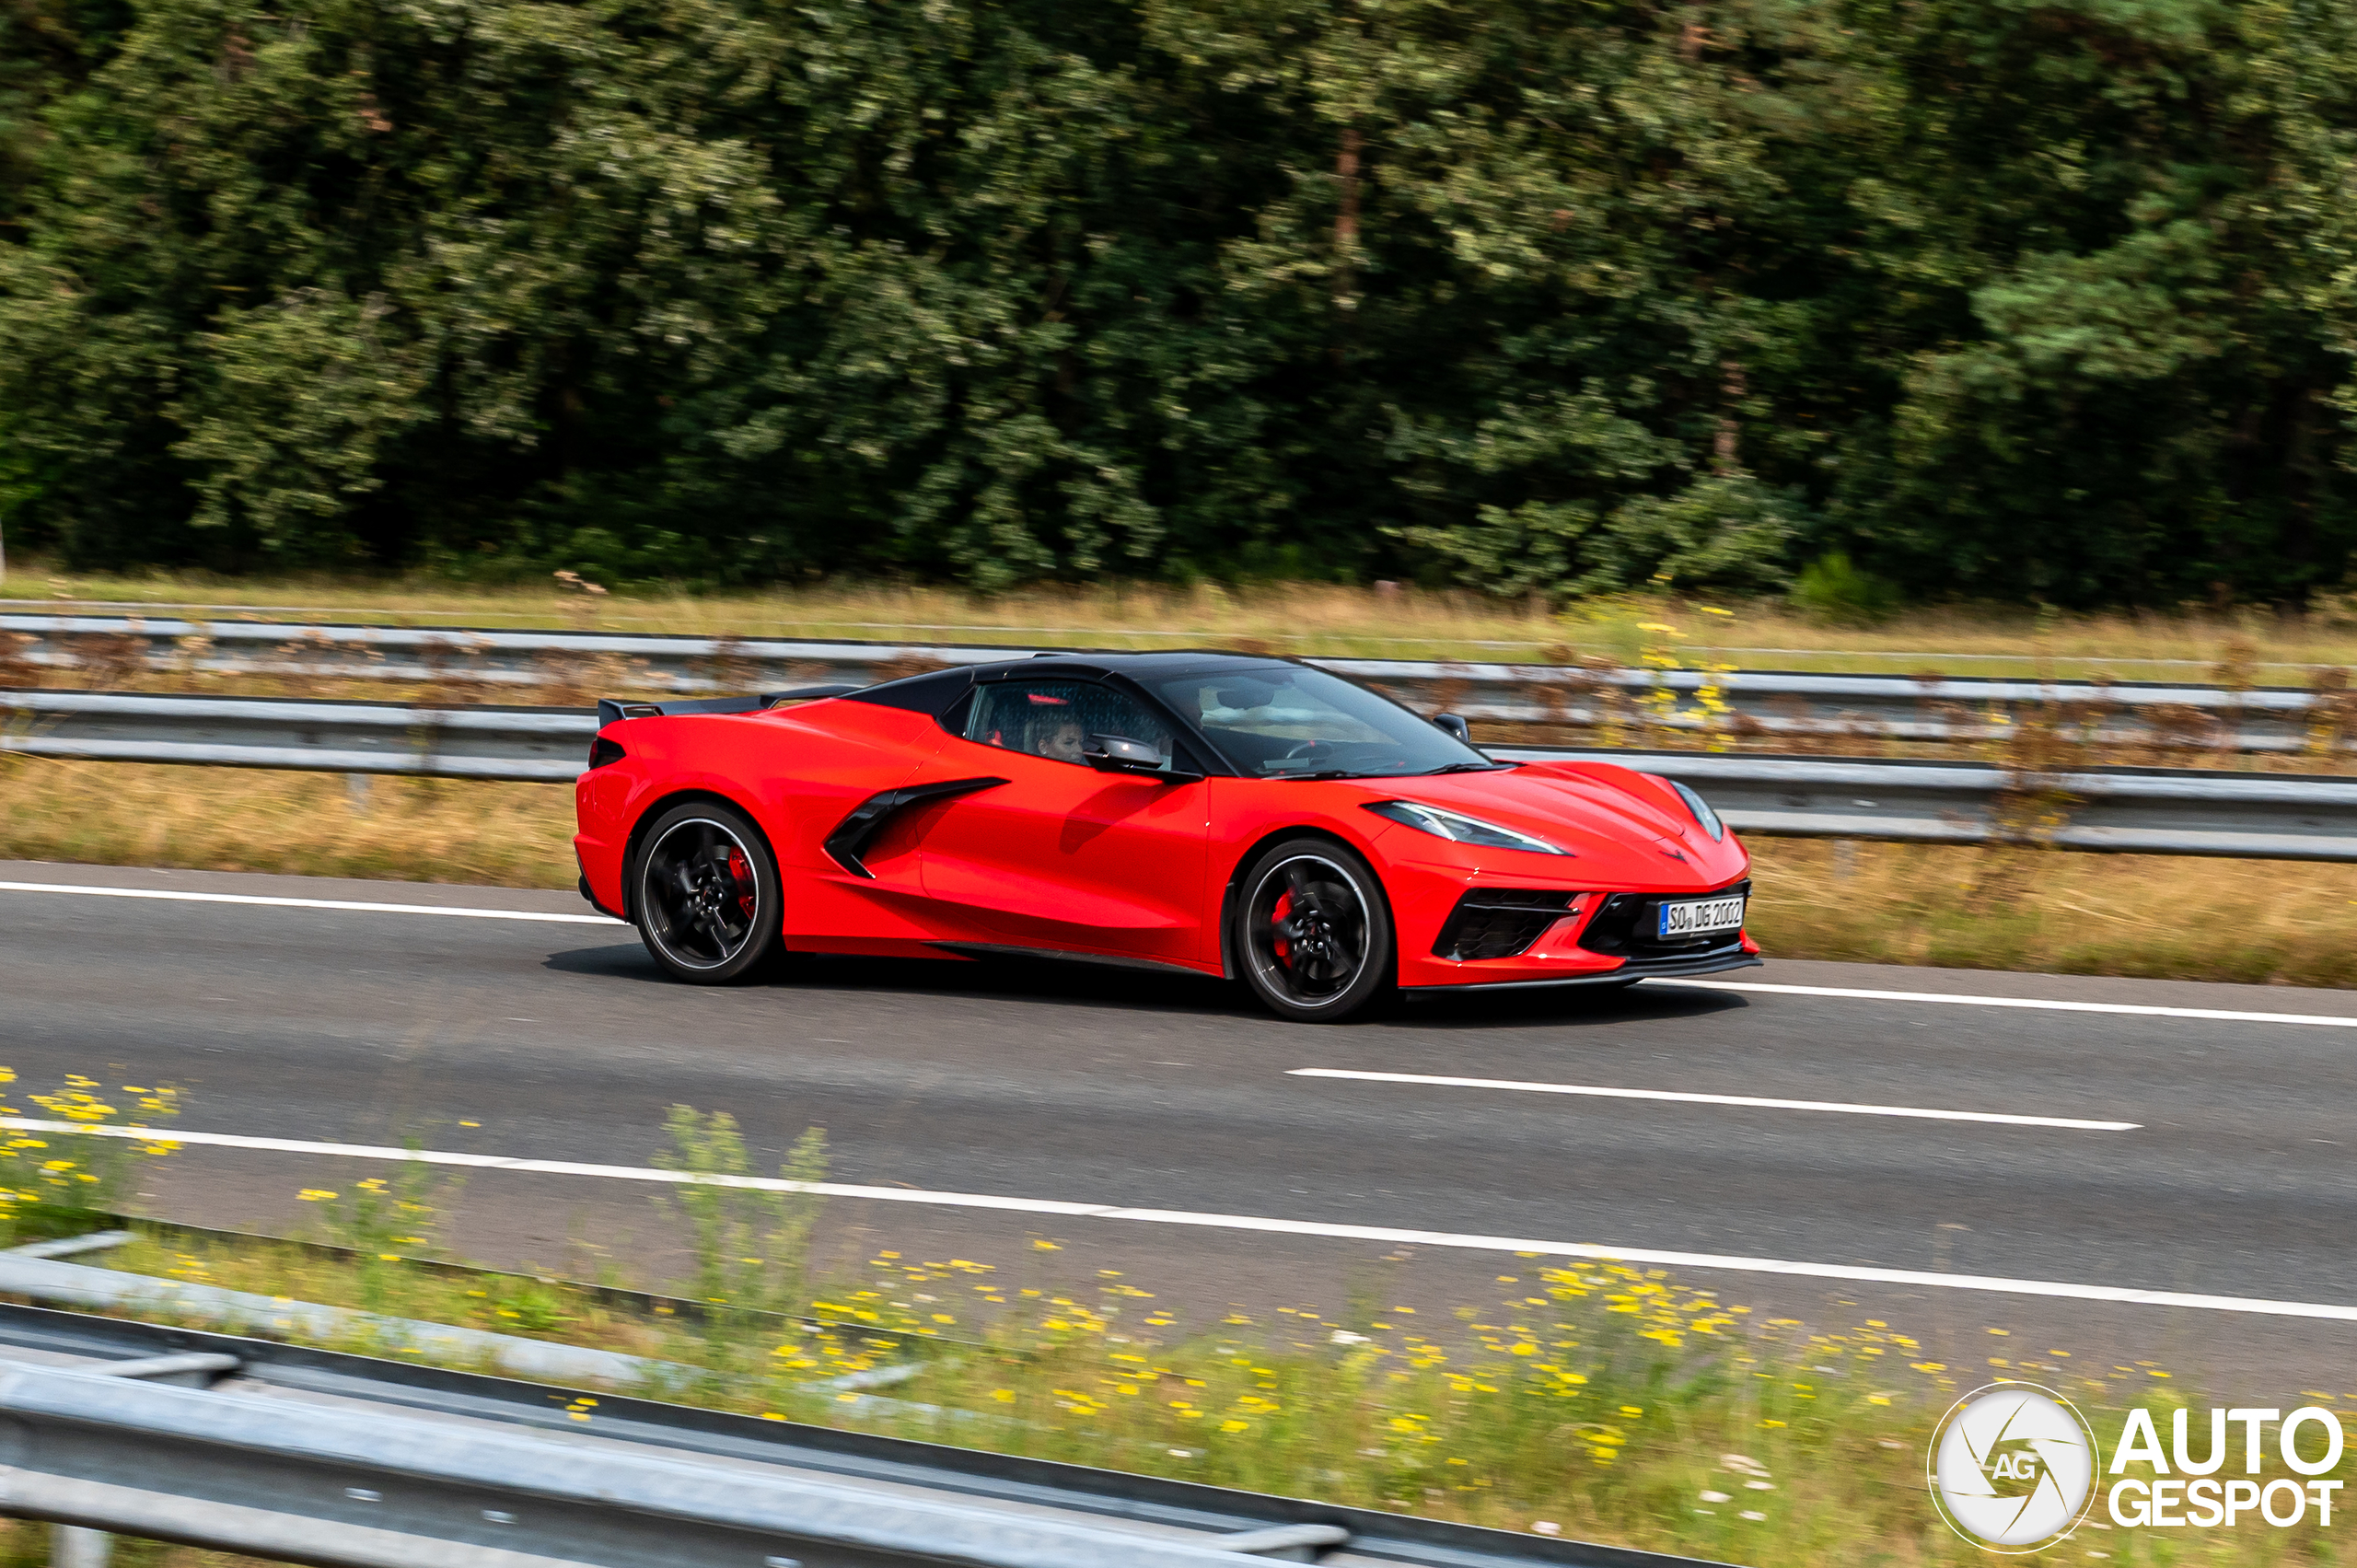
71	1546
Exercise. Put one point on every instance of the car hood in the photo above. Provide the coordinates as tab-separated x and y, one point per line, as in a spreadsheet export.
1606	816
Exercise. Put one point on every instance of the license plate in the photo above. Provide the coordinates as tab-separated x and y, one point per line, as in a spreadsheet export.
1702	917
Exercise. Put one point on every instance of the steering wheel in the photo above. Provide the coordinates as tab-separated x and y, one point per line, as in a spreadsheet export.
1303	750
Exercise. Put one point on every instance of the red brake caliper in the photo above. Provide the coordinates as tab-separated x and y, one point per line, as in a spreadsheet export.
1278	915
742	870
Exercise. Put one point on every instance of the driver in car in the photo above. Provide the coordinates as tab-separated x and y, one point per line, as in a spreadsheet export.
1057	736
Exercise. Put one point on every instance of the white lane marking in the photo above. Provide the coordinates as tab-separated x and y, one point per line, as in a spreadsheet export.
2322	1020
1519	1245
175	897
1600	1092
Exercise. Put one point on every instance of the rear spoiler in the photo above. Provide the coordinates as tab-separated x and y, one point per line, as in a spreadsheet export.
611	709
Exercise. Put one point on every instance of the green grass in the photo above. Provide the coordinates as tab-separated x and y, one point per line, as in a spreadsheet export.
1602	1400
1593	1401
25	1543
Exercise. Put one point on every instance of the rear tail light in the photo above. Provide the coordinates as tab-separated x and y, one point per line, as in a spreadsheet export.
603	751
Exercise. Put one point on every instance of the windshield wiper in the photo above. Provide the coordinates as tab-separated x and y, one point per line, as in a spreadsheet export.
1464	768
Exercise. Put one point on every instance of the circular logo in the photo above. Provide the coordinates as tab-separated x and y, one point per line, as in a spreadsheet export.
2013	1466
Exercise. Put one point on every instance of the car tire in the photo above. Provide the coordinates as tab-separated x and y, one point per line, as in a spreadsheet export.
705	892
1311	931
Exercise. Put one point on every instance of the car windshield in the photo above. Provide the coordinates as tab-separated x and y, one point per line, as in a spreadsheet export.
1290	721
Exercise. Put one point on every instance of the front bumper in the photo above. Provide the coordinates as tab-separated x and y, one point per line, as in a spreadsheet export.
1600	941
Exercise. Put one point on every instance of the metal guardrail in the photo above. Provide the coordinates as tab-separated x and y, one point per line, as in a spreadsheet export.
2119	810
529	745
2139	810
1760	702
39	1272
341	1461
1882	707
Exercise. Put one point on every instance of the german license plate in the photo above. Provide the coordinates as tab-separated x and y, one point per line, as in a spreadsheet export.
1702	917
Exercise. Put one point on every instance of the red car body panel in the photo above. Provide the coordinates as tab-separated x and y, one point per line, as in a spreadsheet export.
1062	858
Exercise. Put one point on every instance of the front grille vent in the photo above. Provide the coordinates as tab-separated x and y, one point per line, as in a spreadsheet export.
1498	923
1628	925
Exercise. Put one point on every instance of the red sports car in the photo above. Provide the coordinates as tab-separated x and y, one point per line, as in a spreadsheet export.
1227	814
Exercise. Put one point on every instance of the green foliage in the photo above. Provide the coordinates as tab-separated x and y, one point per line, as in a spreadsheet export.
383	1220
2045	301
1833	590
53	1181
751	1246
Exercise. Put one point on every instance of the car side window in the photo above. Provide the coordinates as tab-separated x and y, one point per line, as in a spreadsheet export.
1055	718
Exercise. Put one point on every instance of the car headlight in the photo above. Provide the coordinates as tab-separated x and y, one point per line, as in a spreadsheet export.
1459	829
1701	809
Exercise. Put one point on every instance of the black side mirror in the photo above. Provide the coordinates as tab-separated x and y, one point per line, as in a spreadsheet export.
1455	724
1120	754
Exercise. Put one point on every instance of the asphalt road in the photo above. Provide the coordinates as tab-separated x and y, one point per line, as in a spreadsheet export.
561	1041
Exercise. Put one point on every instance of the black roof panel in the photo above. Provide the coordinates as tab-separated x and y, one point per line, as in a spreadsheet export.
932	692
1152	665
935	692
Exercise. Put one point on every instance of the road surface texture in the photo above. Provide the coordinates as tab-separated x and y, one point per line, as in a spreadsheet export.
2153	1151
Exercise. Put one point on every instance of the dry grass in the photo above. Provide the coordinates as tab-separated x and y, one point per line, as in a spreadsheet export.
2150	916
2048	910
1290	617
509	835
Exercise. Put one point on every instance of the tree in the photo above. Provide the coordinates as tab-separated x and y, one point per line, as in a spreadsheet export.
2047	300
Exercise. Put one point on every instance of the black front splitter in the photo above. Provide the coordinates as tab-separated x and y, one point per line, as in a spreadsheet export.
1635	969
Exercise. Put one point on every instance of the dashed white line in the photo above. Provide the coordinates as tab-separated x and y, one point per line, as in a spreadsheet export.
2129	1009
1521	1246
1756	1102
175	896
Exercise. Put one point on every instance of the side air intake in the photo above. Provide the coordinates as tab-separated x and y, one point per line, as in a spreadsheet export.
860	827
1498	923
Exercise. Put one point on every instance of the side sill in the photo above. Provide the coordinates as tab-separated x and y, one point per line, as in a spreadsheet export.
1107	960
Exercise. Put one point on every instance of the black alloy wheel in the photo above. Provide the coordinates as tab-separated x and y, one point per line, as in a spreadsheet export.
706	894
1313	933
